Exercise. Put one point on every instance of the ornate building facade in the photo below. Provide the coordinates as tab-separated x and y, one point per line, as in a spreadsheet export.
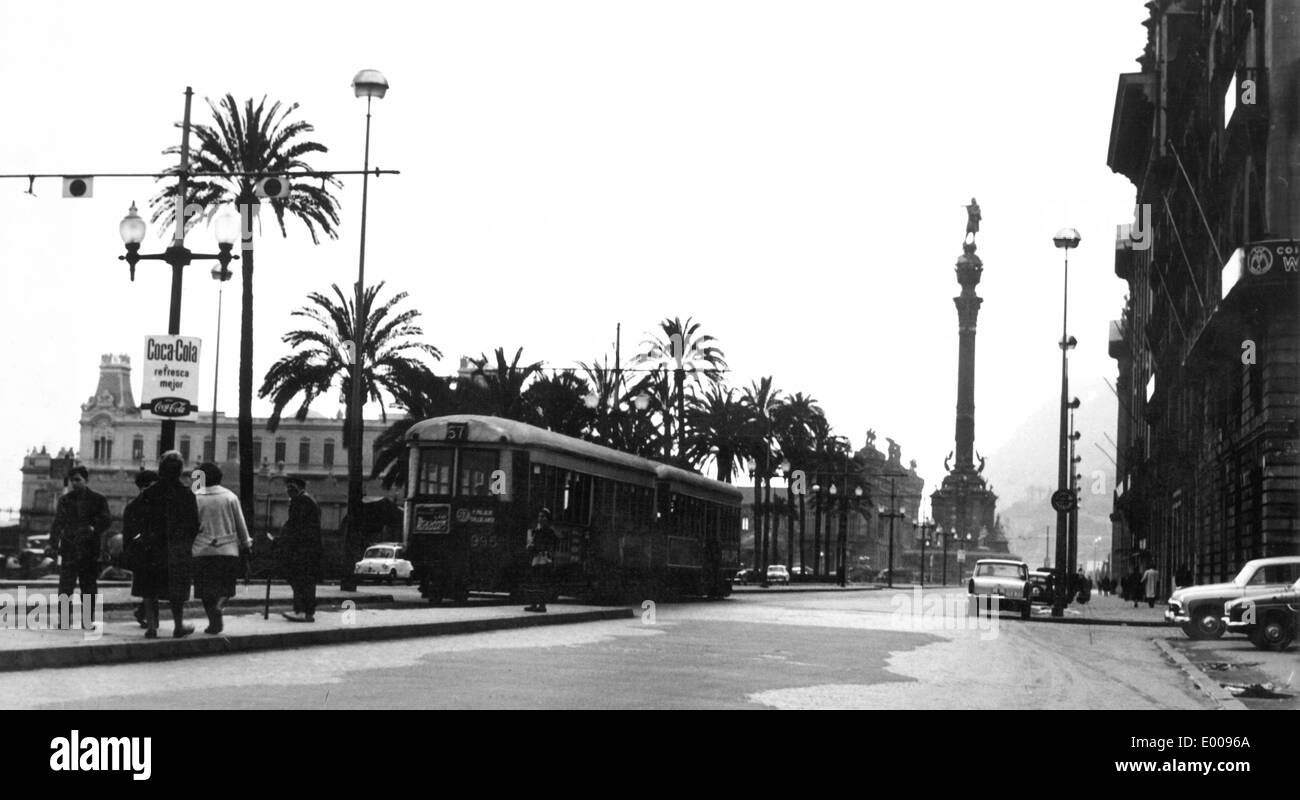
1208	343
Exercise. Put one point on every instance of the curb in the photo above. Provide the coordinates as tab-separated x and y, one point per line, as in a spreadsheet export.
258	602
165	649
1221	697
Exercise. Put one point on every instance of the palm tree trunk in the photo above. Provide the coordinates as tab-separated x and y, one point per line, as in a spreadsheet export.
758	531
772	540
247	492
681	414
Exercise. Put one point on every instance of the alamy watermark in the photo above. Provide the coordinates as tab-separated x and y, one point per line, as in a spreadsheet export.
37	611
945	611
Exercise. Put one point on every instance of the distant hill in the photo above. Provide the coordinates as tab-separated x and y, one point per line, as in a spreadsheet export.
1023	473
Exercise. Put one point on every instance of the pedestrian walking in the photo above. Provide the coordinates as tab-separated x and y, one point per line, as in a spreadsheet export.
80	521
132	531
1133	588
223	535
301	550
169	522
541	550
1150	585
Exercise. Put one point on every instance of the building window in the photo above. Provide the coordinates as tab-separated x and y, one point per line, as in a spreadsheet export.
304	452
157	446
232	449
185	449
103	449
137	448
257	451
209	448
280	448
329	453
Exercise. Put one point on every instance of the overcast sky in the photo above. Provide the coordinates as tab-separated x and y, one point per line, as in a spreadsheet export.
791	174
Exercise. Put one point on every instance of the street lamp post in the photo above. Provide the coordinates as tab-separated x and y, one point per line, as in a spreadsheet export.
1065	239
227	228
369	84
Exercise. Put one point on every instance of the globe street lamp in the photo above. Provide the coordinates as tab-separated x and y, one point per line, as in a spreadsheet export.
132	230
369	84
1065	239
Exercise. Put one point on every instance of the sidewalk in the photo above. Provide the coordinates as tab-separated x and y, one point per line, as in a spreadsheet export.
342	617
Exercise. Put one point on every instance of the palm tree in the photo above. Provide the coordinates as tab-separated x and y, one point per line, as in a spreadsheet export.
794	420
682	348
761	400
718	427
558	403
254	142
501	389
390	361
616	421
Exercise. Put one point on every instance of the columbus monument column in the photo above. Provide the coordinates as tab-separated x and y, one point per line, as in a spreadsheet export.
964	506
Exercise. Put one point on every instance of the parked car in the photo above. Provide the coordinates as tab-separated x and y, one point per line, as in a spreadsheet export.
1005	579
748	576
801	572
1199	609
383	562
1271	621
1040	586
778	573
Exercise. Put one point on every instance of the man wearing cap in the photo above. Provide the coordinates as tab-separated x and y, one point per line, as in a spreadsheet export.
80	522
301	550
541	551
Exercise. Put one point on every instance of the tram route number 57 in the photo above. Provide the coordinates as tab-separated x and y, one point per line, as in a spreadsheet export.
457	431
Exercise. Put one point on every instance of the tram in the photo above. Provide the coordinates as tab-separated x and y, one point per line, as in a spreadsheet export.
628	529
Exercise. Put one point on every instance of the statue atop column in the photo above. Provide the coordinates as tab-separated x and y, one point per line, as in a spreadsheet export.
972	221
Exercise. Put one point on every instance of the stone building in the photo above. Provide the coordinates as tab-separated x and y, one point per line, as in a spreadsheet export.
1208	343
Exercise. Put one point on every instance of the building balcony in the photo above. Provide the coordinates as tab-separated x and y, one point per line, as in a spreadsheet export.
1119	346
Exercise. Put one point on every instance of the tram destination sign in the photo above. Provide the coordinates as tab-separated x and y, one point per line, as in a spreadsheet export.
171	377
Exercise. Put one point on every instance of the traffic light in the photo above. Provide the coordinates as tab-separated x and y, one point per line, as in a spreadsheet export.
78	186
274	187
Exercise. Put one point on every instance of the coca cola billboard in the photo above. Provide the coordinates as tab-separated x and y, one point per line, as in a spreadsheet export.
171	377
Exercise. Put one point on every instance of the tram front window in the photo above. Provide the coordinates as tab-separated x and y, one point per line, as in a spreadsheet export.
476	468
435	470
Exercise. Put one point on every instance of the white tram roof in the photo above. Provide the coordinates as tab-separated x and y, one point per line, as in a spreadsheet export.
498	430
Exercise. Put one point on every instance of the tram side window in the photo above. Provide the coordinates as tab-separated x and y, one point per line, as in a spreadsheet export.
476	468
571	497
435	470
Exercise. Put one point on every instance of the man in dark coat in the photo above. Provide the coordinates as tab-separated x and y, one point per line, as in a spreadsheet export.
301	550
80	522
132	545
541	542
167	516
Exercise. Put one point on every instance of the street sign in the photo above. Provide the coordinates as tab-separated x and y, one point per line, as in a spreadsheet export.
171	377
1063	500
961	556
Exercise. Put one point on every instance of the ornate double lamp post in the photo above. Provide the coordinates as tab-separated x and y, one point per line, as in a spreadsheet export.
1065	239
132	229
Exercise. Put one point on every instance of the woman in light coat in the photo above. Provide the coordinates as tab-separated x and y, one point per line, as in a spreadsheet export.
216	564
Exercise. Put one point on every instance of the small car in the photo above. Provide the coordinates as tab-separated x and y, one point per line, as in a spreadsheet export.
1271	621
900	575
1199	609
1004	578
747	576
778	573
383	562
1040	586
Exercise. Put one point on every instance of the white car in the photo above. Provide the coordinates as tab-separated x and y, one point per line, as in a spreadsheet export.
1005	579
383	562
778	573
1199	609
